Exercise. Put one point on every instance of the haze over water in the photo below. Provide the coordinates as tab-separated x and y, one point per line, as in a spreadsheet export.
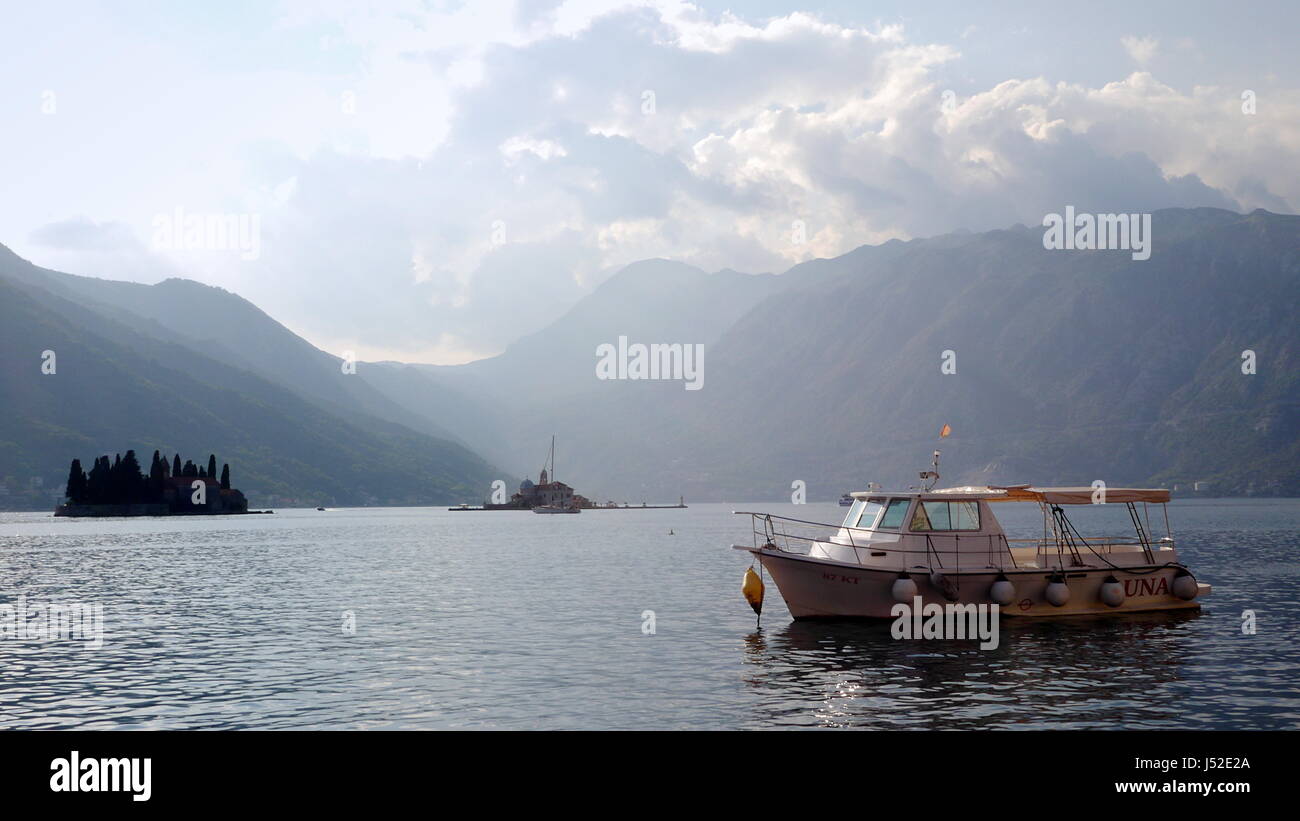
515	621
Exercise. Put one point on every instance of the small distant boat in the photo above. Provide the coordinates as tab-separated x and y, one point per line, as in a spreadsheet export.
320	508
846	501
553	509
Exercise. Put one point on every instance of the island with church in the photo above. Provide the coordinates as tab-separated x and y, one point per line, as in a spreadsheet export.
120	488
550	494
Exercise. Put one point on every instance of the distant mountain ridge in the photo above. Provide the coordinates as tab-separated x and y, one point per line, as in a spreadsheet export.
193	313
1070	366
507	405
125	379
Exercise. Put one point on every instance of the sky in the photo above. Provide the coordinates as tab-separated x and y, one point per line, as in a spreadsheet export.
427	181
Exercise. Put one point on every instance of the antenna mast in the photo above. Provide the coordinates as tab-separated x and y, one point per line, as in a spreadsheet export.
932	475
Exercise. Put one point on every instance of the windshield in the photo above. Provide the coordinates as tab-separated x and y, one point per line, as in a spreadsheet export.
894	513
863	513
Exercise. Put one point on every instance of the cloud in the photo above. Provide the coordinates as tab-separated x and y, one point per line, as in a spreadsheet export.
502	160
1141	49
84	234
648	132
103	249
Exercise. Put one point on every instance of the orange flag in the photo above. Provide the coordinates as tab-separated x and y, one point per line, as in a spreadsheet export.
947	429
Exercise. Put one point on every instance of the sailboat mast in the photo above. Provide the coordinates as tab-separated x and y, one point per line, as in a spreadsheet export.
552	457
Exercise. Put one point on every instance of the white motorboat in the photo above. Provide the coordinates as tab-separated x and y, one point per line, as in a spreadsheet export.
946	546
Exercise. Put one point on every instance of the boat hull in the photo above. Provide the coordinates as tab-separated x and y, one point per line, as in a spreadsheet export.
818	589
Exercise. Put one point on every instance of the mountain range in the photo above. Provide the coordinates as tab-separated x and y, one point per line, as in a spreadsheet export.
1051	366
179	366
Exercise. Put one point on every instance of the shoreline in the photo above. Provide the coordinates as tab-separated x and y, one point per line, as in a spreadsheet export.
137	511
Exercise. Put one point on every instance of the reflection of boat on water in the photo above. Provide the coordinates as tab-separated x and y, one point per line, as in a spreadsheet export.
554	509
946	546
856	674
846	500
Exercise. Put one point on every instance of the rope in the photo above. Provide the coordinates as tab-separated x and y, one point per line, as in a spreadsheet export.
1065	521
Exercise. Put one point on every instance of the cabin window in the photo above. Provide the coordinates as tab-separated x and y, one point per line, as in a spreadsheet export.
946	516
868	516
965	515
894	513
851	518
920	519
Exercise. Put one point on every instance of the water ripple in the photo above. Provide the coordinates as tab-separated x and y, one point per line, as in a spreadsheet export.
517	621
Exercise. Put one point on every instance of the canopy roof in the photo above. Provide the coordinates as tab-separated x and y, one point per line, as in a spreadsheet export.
1061	495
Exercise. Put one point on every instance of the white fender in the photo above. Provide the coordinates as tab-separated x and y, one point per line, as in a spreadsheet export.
1112	592
1184	586
1002	591
1058	593
904	589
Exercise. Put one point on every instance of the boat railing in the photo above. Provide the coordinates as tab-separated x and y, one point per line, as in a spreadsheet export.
797	536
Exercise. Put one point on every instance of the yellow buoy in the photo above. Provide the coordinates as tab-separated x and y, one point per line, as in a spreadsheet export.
753	590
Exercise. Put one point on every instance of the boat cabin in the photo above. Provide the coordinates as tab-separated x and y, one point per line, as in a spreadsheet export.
944	546
955	528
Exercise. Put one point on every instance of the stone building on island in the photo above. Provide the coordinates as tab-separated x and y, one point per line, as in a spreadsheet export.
544	493
547	492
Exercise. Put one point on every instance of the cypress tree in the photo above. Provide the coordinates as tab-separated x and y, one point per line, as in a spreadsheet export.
90	482
156	473
131	480
176	465
115	480
109	469
97	482
212	466
76	491
225	476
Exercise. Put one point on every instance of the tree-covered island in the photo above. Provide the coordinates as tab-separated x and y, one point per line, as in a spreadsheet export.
120	488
